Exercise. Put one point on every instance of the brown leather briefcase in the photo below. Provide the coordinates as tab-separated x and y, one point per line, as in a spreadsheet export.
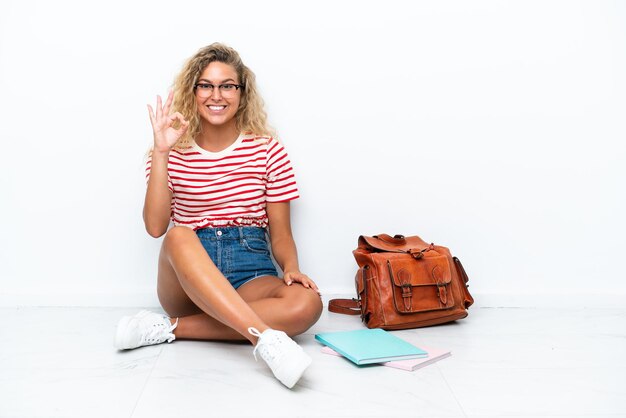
404	282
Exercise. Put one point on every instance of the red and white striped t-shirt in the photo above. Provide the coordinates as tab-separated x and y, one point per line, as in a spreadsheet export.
230	187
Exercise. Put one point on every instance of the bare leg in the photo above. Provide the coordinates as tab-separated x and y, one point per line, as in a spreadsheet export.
203	285
292	309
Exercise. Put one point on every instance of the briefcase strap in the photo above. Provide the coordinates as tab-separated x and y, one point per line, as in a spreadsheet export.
345	306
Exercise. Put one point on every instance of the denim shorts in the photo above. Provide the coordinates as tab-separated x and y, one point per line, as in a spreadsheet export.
241	253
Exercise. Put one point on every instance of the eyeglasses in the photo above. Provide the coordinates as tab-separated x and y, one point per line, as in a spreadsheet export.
206	89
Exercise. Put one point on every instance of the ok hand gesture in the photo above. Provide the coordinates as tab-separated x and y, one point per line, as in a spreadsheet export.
165	135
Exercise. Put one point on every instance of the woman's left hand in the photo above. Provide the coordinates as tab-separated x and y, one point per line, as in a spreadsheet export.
295	276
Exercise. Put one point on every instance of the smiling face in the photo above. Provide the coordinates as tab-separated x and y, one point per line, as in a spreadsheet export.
218	108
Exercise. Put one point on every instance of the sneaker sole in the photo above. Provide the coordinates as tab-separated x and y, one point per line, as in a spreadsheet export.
298	366
120	334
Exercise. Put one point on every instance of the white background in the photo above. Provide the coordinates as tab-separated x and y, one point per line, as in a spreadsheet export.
495	128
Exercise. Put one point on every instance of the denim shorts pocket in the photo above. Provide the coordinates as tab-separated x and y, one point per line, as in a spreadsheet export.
256	245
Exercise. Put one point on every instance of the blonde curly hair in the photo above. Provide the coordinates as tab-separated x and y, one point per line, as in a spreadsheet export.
250	117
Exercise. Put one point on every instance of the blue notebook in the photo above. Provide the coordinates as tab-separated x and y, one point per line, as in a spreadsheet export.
366	346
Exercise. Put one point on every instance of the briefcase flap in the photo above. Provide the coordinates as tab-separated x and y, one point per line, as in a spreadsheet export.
431	270
420	285
397	243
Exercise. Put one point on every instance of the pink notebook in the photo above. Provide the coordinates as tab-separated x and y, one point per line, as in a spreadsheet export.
410	365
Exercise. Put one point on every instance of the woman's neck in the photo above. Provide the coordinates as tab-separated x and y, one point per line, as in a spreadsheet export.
217	138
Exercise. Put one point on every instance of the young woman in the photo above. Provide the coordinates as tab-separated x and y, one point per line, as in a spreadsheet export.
225	182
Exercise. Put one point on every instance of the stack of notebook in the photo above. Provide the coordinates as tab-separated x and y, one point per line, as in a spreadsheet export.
369	346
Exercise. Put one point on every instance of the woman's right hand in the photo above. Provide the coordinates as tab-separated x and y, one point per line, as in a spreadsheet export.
165	135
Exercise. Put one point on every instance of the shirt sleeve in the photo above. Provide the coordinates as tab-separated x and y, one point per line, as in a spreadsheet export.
280	179
149	167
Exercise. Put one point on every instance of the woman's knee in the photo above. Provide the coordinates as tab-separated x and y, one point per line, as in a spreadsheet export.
178	234
304	311
177	237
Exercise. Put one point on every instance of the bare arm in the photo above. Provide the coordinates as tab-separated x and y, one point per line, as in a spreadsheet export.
284	246
158	200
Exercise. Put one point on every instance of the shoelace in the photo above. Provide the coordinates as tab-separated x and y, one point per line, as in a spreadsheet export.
160	332
268	344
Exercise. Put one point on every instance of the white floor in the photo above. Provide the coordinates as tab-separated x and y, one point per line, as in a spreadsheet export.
59	362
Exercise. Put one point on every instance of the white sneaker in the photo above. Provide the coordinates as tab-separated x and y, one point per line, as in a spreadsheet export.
144	328
286	358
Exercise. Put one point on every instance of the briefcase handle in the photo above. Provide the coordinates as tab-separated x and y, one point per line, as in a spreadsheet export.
396	239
